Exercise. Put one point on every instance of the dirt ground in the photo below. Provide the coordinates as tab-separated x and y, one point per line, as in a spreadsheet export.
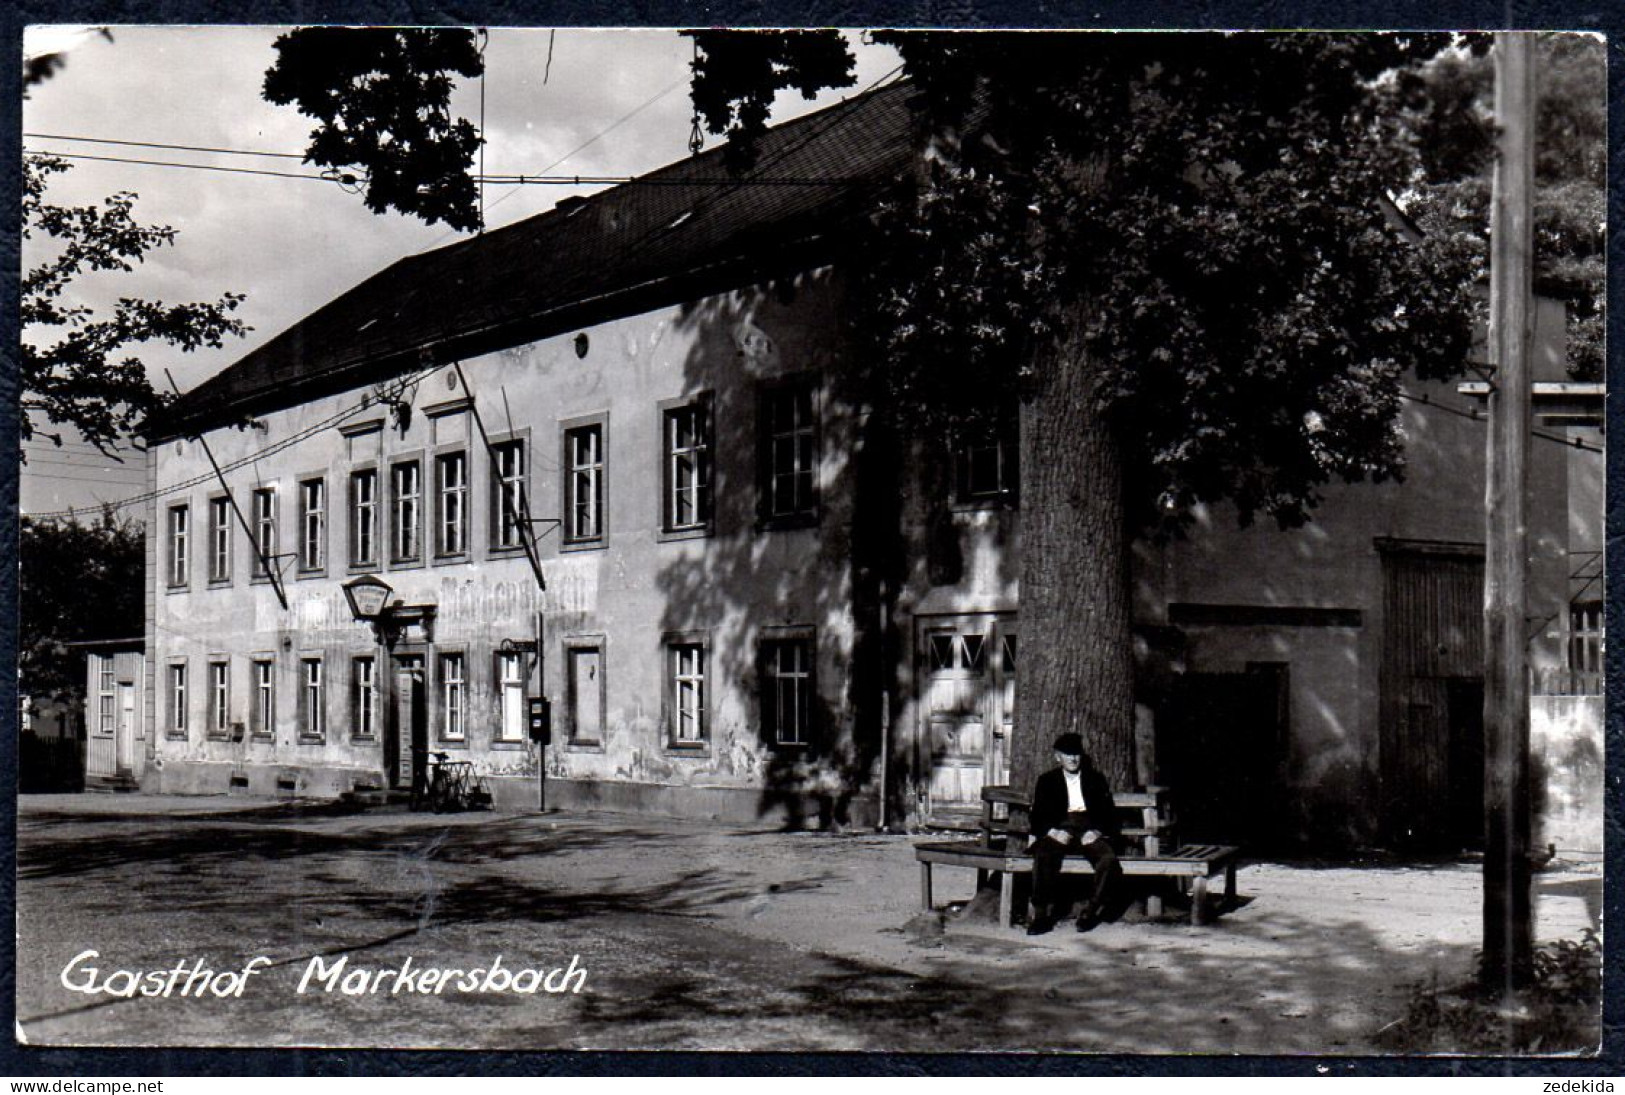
695	936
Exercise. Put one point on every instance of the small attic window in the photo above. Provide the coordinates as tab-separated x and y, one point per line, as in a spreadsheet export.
680	219
367	324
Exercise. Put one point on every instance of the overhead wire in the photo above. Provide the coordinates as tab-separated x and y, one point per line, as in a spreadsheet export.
160	144
269	450
73	478
166	163
1567	442
514	180
540	179
606	131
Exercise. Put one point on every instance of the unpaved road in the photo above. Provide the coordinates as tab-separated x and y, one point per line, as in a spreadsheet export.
693	936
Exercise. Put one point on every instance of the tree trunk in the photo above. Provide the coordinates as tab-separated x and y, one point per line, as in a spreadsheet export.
1077	657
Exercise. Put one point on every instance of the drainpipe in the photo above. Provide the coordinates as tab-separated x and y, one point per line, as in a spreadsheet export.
541	746
885	702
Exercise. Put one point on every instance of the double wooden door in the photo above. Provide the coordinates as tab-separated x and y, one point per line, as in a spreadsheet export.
967	689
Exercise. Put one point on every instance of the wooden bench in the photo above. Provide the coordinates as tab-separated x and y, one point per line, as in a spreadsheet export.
1149	851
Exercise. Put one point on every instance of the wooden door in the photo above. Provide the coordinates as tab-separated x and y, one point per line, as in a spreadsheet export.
1432	666
125	728
967	706
406	730
1220	746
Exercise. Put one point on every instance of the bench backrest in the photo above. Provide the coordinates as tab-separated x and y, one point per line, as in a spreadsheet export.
1148	822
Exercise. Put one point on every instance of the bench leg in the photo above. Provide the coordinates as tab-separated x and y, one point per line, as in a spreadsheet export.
925	886
1230	886
1153	905
1007	891
1198	899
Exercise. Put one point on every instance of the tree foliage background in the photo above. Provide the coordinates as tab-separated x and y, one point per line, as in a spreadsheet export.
76	368
80	580
1455	135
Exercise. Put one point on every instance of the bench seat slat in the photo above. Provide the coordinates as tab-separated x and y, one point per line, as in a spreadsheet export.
1202	860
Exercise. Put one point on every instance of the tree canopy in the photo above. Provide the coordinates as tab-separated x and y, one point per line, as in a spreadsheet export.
1207	211
382	98
75	370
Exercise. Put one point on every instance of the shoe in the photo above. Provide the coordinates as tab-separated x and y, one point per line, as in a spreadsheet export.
1088	922
1041	925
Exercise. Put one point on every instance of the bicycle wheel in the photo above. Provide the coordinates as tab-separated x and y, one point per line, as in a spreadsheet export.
440	795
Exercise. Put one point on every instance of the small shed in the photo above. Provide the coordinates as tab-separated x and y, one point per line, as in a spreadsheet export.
116	734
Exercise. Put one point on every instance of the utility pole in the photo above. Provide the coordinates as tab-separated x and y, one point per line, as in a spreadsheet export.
1508	927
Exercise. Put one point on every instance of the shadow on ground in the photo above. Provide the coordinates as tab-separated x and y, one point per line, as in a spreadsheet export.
689	943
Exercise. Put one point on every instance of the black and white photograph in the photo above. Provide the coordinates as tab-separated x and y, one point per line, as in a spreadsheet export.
814	540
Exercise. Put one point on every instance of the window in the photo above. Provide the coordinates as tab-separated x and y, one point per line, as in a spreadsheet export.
789	438
406	503
364	517
105	687
177	700
985	464
687	473
451	488
685	666
787	690
584	484
312	700
510	508
313	524
219	699
264	531
364	678
219	539
263	722
511	696
179	528
959	652
453	697
1007	683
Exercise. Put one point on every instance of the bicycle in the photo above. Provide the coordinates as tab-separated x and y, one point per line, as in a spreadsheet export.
453	786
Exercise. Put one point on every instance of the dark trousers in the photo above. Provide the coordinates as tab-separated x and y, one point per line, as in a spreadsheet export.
1048	855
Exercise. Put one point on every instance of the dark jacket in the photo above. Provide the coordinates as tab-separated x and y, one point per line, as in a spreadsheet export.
1050	802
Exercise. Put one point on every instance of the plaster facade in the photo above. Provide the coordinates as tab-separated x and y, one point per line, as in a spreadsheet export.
893	580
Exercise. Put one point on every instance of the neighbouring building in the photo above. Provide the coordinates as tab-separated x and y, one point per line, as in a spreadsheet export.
604	456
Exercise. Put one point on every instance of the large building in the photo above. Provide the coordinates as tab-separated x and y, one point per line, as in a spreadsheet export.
604	456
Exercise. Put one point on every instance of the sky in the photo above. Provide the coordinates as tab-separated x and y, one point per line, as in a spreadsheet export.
610	102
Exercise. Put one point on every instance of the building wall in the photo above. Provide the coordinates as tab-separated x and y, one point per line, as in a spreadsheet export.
627	592
894	553
1332	777
1565	734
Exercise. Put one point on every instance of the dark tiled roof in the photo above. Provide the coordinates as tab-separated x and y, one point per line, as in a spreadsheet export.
668	236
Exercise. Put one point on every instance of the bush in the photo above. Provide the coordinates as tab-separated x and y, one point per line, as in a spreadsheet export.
1560	1012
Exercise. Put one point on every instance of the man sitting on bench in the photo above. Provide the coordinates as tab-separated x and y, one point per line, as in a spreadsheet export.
1072	814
